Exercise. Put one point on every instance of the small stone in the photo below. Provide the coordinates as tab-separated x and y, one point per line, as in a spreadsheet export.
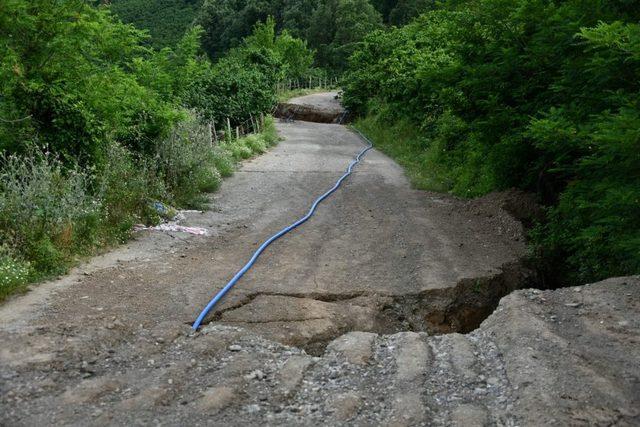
252	409
256	375
469	415
215	399
573	304
493	381
235	347
355	347
346	406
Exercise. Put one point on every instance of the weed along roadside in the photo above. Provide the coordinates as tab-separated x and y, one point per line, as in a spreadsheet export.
188	165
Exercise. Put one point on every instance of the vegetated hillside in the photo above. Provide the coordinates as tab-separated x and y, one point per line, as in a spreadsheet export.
331	27
477	96
166	20
95	126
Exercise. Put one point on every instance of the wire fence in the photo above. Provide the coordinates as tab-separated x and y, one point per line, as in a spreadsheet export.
225	132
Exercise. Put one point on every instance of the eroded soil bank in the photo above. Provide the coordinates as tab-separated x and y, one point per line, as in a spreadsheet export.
317	108
109	344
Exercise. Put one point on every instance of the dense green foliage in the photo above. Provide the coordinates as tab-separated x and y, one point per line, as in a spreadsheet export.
228	22
337	26
538	95
233	89
400	12
332	27
166	20
96	126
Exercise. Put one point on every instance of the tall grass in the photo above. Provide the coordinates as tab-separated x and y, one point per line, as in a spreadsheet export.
402	141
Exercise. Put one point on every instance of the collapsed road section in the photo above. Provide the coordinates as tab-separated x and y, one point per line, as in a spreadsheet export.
352	320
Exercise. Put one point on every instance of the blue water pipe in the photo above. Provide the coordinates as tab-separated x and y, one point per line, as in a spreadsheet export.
279	234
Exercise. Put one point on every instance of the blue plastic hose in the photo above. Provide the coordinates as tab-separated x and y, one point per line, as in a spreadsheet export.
279	234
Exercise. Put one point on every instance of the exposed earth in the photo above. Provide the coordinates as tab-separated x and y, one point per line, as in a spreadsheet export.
319	108
354	318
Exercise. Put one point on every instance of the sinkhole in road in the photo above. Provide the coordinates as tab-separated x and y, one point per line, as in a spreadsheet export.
311	321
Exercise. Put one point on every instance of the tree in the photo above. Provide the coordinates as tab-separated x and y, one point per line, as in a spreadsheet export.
227	22
384	7
406	10
297	16
293	57
165	20
337	27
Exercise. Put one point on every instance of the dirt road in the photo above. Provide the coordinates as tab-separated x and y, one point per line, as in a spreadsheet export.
110	343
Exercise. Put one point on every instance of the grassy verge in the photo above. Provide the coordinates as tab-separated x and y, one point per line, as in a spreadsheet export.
52	215
402	141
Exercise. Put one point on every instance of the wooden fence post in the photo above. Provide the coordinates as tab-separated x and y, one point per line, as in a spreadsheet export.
229	134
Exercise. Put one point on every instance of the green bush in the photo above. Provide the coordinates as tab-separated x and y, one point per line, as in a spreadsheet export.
256	143
67	73
241	85
125	188
223	161
14	274
269	132
250	145
186	162
45	207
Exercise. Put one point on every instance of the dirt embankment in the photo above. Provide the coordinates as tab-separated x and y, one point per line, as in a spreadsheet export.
317	108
